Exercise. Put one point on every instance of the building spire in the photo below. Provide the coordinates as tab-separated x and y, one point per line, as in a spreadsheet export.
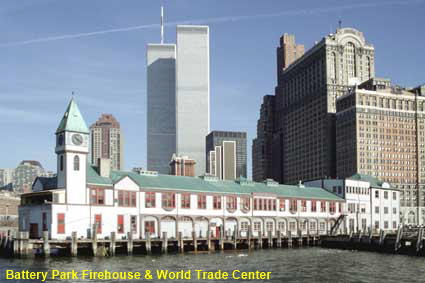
162	24
339	23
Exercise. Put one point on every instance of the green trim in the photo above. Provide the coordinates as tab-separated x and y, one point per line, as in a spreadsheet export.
72	120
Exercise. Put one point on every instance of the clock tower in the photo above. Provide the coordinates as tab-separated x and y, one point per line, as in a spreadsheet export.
72	147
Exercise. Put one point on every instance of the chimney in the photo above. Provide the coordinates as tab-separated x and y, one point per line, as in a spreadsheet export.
104	167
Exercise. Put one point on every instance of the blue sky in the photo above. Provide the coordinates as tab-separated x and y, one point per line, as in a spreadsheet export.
97	49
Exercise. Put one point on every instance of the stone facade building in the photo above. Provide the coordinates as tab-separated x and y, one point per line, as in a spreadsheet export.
182	166
380	132
303	139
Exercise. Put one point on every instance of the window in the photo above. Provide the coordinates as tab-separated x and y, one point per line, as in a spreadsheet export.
303	205
376	224
61	223
394	210
120	226
376	194
150	200
257	226
269	226
385	210
168	200
44	221
332	207
185	202
244	204
61	163
149	227
394	196
394	224
244	226
385	195
385	224
363	208
293	207
231	203
322	206
97	196
98	222
313	225
217	202
376	209
76	163
313	206
133	223
281	204
127	198
282	226
202	201
322	226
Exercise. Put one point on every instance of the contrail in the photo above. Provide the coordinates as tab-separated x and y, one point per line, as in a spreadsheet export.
214	20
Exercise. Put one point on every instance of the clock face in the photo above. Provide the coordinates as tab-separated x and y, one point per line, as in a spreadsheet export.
60	140
77	139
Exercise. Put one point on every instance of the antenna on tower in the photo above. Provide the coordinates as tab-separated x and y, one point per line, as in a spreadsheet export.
162	24
339	23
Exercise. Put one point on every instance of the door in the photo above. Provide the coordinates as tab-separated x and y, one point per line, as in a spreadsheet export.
34	230
150	227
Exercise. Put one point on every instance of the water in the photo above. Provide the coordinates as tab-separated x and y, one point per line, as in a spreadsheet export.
286	265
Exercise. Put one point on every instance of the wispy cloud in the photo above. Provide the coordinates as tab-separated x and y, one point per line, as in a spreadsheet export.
216	20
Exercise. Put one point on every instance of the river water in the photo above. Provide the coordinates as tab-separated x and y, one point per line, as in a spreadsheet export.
286	265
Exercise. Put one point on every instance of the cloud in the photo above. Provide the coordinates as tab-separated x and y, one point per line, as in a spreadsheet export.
25	116
214	20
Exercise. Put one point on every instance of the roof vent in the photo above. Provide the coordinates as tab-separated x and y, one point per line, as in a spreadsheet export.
148	173
244	181
300	184
209	178
271	183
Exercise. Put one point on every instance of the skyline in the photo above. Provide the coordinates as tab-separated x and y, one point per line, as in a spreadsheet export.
95	70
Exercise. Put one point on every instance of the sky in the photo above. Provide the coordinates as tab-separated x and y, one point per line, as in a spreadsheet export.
97	49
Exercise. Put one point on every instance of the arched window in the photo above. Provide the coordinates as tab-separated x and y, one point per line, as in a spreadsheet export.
61	163
76	163
350	60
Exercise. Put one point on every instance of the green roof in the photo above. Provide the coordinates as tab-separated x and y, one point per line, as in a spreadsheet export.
197	184
373	181
72	120
93	178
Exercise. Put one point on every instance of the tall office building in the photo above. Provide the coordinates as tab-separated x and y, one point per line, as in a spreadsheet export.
178	99
261	145
380	132
192	93
303	140
107	141
161	110
217	158
25	174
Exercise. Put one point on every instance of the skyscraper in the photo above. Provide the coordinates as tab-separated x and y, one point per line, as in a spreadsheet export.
193	93
303	139
161	110
379	132
107	141
220	157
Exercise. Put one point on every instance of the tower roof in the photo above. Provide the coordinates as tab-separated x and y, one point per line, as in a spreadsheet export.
72	120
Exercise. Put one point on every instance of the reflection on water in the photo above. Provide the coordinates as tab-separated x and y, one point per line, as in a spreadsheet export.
286	265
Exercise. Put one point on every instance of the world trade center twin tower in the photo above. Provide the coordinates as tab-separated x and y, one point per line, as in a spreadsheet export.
178	90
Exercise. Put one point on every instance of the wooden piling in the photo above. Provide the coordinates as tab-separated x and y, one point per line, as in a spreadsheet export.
94	240
249	232
46	245
221	243
209	239
194	241
113	244
279	239
419	241
289	239
269	239
129	243
235	238
74	244
180	242
148	243
164	245
260	240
